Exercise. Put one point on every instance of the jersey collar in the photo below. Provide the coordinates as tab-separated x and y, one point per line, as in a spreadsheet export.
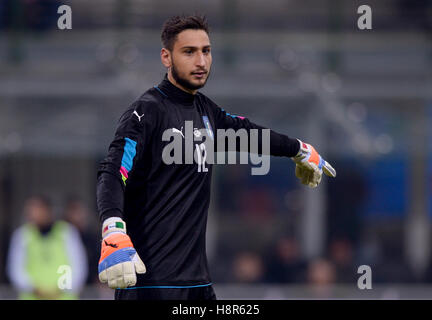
177	94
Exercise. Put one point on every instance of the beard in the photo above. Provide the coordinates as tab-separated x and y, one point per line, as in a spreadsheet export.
184	82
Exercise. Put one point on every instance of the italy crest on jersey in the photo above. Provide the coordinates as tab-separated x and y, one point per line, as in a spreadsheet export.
208	127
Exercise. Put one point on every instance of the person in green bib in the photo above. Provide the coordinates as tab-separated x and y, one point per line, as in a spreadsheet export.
46	258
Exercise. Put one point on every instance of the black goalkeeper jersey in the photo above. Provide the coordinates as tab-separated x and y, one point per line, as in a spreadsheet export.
165	206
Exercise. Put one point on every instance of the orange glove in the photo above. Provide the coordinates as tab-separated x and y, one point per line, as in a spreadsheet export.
310	166
119	262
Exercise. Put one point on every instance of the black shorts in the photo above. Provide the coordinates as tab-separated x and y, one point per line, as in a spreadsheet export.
197	293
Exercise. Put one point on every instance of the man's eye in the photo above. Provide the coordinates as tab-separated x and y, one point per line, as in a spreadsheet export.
206	51
188	51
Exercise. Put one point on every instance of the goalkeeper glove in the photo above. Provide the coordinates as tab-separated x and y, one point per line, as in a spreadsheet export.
119	262
310	166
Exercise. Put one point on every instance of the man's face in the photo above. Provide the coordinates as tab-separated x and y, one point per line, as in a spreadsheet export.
190	60
37	213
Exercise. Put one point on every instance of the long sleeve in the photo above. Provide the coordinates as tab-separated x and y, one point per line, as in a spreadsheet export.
280	145
115	170
16	263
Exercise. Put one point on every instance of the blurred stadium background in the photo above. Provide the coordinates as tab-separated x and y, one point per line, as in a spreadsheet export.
303	68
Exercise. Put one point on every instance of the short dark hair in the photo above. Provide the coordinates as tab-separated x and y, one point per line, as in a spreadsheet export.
176	24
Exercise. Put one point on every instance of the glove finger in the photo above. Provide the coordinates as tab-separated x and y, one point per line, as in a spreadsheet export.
317	177
114	273
300	171
311	178
312	183
120	284
306	176
103	277
129	276
329	170
112	283
139	265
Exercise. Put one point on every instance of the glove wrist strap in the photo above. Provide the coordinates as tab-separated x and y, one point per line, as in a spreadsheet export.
302	150
113	224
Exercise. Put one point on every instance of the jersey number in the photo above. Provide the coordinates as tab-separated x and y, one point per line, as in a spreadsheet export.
201	157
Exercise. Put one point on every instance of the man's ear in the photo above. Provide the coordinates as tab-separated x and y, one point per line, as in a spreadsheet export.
166	57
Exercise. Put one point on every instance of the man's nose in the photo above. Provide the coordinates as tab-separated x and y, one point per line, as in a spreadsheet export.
200	60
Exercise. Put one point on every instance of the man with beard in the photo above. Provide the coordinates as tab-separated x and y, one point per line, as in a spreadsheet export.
165	206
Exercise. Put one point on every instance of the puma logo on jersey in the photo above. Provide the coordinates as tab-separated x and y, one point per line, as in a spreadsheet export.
139	117
178	131
111	244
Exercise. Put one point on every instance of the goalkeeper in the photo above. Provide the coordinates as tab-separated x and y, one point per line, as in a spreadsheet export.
154	215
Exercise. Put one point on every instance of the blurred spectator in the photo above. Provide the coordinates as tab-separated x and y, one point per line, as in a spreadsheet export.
321	276
248	267
341	254
39	249
321	272
77	214
284	263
